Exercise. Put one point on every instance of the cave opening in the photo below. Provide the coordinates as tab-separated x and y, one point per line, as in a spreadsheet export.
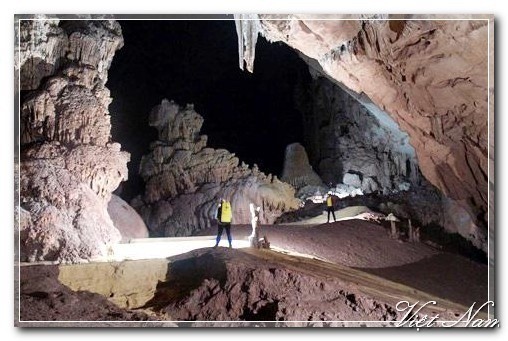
253	115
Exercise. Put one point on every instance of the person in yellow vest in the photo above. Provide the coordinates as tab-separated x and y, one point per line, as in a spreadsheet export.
329	207
224	217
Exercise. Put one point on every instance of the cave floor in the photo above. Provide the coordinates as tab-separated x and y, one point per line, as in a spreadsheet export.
366	246
351	257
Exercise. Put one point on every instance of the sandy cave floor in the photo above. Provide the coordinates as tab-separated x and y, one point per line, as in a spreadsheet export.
355	272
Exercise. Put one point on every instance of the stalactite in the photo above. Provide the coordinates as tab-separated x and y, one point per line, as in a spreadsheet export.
248	28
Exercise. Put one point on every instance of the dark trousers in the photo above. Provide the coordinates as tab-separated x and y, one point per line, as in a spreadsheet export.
330	209
220	229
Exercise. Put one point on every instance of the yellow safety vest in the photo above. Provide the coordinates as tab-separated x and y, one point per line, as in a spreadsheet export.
329	202
226	213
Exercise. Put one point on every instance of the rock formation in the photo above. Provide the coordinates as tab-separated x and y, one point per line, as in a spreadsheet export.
430	76
185	179
298	172
352	145
126	219
69	165
41	51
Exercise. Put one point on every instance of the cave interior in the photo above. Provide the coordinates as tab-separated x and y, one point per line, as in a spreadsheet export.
132	130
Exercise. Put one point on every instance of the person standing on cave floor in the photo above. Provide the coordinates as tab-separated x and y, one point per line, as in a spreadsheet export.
330	207
224	217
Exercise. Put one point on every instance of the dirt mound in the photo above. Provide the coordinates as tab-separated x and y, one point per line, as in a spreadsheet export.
229	285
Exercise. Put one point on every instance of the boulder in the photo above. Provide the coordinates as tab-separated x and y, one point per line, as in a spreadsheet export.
126	219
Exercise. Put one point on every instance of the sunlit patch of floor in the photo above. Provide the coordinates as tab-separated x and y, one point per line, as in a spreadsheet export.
153	248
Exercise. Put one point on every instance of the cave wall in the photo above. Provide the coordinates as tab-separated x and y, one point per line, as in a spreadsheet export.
185	179
430	76
69	165
343	136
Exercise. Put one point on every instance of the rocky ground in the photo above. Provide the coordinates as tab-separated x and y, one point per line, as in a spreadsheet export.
352	271
228	284
367	246
44	298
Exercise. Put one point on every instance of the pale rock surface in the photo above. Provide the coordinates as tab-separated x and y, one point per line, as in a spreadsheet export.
298	172
126	219
351	179
185	179
369	185
457	219
41	50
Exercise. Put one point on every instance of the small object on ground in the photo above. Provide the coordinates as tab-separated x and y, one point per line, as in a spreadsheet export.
264	243
392	219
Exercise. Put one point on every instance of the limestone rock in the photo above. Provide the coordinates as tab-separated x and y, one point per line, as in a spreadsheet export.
343	190
70	108
297	170
352	180
458	220
430	77
48	44
185	179
347	135
69	165
41	50
369	185
67	220
94	43
126	219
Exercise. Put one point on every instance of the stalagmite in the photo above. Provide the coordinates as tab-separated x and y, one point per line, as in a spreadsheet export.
393	228
254	237
298	172
185	178
410	231
69	164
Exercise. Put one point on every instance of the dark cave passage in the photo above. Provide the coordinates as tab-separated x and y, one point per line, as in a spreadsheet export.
251	115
